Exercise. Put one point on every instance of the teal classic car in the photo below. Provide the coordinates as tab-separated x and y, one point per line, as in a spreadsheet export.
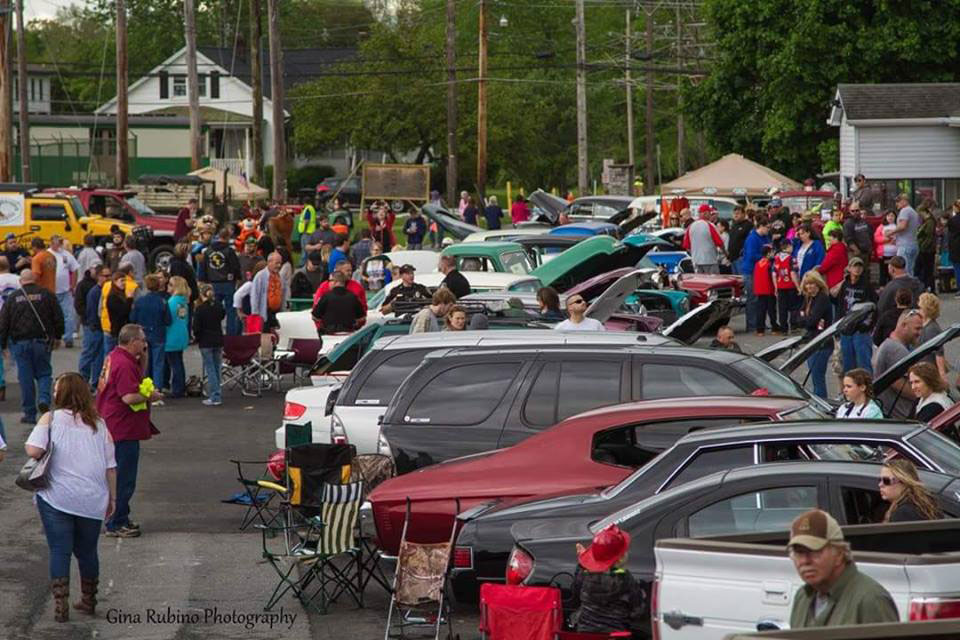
500	257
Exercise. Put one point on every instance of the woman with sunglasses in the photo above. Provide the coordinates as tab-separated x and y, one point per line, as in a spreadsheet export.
858	390
909	500
577	310
930	389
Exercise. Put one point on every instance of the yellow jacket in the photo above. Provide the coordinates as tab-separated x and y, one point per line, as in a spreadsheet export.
130	286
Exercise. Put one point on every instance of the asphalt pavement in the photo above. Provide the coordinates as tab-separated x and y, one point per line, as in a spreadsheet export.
192	574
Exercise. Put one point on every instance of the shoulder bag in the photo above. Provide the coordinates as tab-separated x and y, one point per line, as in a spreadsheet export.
33	474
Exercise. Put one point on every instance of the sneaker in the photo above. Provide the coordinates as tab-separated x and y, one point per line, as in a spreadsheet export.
207	402
133	525
123	532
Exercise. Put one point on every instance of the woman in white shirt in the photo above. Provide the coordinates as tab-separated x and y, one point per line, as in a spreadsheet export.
858	390
81	488
930	389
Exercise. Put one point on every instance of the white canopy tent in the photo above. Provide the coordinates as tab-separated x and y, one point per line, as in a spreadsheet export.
731	175
240	189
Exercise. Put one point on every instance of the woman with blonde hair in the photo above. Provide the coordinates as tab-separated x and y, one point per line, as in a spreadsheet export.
929	305
456	319
909	500
177	336
816	315
81	489
930	389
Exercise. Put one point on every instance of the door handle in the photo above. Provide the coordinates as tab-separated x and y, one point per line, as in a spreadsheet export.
769	625
678	619
34	227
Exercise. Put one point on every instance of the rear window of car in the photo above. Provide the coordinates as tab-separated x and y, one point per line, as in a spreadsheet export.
766	377
463	395
565	389
516	262
943	451
383	382
675	381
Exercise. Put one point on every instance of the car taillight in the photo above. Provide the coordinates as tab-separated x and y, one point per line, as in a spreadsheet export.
383	447
654	609
463	557
338	434
934	608
293	411
519	566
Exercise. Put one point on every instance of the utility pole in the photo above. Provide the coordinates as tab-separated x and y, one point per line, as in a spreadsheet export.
6	106
451	102
256	82
190	28
680	127
482	104
24	119
582	174
631	158
276	97
648	142
123	152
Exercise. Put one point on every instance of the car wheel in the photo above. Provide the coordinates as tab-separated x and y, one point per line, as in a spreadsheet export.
398	206
160	257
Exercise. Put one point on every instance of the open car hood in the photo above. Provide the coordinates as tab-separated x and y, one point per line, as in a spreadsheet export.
610	301
345	355
446	221
689	327
550	206
629	219
855	316
771	353
586	259
899	368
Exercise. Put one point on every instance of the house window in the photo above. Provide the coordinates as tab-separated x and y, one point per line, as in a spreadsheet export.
202	86
179	86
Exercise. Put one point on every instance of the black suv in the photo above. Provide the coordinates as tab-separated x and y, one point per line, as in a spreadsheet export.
459	402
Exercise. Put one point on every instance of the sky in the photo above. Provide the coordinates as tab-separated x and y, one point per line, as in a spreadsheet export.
43	8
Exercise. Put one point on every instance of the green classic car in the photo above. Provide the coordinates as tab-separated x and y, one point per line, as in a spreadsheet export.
501	257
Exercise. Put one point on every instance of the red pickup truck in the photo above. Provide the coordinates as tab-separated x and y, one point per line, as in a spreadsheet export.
125	206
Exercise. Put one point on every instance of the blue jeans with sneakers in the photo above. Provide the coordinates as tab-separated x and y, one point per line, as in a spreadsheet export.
34	372
212	358
127	454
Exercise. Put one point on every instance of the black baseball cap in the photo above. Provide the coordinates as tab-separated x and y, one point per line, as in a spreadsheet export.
407	268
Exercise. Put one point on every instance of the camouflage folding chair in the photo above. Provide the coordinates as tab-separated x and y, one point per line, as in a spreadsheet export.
420	585
372	469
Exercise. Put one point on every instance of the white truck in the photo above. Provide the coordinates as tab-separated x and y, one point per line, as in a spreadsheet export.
709	588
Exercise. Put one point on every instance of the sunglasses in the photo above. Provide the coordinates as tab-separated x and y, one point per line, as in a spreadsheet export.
578	301
887	481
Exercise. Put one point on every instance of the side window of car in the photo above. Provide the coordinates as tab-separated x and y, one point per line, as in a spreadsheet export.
753	512
386	378
659	436
462	395
48	213
712	460
862	506
540	407
587	384
582	209
672	381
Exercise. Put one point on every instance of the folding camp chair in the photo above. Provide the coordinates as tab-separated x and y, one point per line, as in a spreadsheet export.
241	366
509	612
372	469
307	562
420	584
261	501
304	359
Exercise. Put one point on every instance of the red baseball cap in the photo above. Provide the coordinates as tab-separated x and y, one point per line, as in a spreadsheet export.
608	546
705	208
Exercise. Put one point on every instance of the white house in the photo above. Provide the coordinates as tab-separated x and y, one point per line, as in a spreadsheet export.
901	137
38	89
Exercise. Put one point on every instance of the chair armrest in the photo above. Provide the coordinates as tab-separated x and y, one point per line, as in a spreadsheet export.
266	484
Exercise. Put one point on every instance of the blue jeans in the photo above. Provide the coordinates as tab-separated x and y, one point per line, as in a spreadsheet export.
751	310
127	453
158	358
856	351
956	275
3	373
91	355
109	344
910	255
33	368
223	291
817	364
211	367
70	535
65	300
178	377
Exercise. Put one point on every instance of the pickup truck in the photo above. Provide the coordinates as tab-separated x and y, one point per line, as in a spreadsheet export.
710	587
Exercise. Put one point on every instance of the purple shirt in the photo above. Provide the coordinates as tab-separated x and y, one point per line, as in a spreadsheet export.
121	375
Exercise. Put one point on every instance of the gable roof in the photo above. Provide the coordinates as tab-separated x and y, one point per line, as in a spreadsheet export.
899	101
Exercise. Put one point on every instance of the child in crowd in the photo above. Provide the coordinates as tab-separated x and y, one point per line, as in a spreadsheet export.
177	337
375	270
786	279
607	597
207	319
152	313
764	291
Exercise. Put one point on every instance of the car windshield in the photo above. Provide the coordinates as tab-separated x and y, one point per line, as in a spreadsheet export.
943	451
528	286
516	262
139	206
646	263
78	207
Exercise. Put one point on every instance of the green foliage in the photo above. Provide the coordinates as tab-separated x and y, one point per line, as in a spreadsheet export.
776	65
305	177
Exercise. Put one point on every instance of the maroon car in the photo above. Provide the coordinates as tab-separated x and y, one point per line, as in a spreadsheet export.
563	459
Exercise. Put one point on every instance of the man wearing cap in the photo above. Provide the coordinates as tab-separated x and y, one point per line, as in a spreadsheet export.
704	243
608	598
406	291
309	277
16	255
834	593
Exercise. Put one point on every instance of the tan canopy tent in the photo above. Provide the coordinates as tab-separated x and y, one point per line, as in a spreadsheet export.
731	175
240	189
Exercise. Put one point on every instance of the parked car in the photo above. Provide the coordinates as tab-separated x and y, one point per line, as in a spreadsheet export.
753	580
586	228
351	190
517	392
542	248
579	460
486	531
505	235
499	257
752	499
361	403
423	260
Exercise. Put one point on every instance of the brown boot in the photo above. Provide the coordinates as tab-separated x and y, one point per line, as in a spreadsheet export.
61	594
88	600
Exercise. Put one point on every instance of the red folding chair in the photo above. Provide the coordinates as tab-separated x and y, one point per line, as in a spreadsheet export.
305	352
509	612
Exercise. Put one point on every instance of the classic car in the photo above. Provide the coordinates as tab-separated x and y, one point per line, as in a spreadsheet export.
503	257
586	228
486	530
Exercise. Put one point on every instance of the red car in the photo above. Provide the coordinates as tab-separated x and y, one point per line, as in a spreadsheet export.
561	460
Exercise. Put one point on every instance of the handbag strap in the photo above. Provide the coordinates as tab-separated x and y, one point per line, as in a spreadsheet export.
26	296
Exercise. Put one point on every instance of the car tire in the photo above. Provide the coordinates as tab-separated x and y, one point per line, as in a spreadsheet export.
159	257
398	206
